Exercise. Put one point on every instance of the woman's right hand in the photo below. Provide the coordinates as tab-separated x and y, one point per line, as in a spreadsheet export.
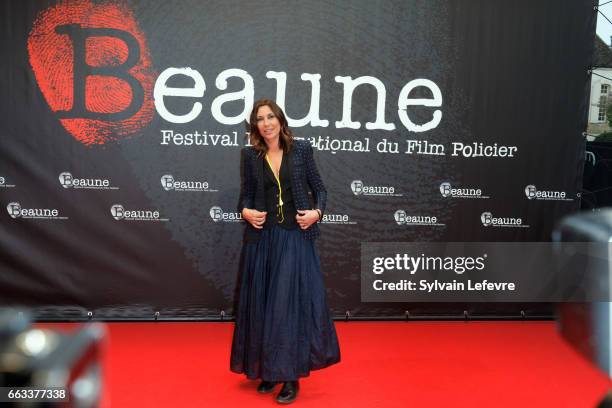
254	217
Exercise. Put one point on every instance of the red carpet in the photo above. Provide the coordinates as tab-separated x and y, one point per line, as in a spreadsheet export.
384	364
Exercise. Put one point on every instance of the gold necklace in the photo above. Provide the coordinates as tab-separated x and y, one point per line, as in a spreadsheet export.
280	190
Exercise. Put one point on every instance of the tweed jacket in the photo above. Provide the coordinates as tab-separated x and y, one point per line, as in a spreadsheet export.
304	178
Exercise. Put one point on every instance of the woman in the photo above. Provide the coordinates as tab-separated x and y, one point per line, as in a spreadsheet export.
283	327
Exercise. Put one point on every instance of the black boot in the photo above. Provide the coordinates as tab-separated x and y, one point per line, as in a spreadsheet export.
288	393
266	387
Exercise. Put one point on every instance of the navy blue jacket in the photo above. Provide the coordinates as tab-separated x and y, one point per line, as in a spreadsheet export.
304	177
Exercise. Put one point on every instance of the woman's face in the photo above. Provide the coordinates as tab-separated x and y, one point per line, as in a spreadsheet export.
268	124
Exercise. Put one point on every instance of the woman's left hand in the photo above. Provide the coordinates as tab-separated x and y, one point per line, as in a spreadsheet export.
305	218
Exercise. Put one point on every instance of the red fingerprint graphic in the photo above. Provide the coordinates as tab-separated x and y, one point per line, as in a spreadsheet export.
103	29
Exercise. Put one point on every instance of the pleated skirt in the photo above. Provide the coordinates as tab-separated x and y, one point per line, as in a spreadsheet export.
283	327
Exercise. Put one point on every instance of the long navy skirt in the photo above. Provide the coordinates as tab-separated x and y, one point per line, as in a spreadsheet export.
283	327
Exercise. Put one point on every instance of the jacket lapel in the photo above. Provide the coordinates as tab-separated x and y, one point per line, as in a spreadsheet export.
260	200
291	169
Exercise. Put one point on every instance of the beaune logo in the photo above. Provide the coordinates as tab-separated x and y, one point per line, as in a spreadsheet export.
359	188
68	181
488	220
533	193
15	210
337	219
402	218
119	213
4	183
169	183
218	215
447	190
93	67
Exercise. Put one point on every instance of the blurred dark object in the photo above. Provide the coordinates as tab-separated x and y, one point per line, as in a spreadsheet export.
586	326
43	359
597	177
606	402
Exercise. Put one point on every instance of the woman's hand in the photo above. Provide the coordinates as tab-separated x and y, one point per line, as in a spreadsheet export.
305	218
254	217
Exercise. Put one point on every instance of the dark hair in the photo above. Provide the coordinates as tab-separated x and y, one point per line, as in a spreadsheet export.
286	136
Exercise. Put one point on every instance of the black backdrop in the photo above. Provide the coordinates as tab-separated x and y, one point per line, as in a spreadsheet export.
79	101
